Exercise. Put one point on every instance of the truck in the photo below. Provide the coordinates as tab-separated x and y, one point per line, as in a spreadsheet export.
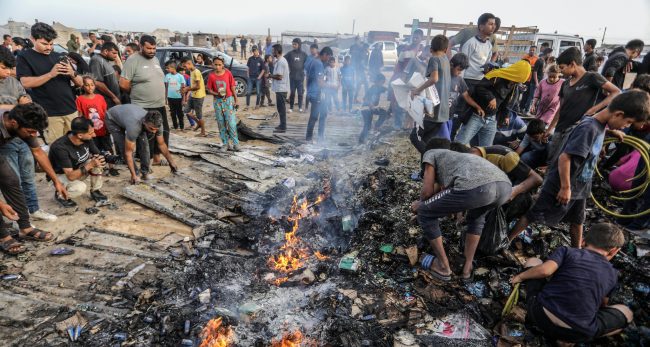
558	42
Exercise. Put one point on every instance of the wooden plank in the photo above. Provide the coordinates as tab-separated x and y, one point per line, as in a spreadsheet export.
183	197
157	201
229	165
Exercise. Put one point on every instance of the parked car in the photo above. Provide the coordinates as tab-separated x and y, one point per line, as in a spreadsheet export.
239	70
559	43
389	51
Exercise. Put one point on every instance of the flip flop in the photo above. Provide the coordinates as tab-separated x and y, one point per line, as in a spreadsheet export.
36	235
438	275
469	279
10	244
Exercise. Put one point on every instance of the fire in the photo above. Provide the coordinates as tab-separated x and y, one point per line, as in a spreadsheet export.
292	255
216	335
289	340
280	280
320	256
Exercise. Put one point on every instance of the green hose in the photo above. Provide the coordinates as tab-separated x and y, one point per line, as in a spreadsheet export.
644	149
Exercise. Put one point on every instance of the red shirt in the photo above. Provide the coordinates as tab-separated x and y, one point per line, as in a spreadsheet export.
224	81
95	110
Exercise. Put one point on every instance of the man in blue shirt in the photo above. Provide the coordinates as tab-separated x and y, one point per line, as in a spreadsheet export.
315	82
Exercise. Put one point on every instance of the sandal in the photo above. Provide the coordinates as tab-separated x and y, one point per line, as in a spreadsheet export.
438	275
12	247
162	162
469	279
36	235
201	135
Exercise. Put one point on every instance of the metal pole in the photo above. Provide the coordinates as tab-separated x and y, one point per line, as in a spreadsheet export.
353	24
602	41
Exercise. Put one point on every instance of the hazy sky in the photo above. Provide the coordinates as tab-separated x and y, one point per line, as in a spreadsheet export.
625	19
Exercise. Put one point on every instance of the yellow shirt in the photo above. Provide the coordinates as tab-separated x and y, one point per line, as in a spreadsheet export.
197	77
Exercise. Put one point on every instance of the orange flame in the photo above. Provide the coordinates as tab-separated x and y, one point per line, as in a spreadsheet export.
216	335
292	256
280	280
320	256
289	340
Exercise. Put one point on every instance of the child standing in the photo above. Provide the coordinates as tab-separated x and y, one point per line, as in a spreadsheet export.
93	107
347	83
266	80
568	183
222	85
578	96
174	82
332	81
197	94
371	103
567	295
547	95
183	72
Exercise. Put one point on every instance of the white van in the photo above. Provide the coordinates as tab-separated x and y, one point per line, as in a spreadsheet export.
559	43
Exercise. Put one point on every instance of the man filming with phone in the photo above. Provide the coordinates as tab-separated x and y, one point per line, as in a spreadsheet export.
75	159
50	77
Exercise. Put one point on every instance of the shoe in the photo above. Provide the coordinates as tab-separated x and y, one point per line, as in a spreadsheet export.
98	196
42	215
224	148
279	129
271	104
236	148
113	172
300	110
65	203
289	111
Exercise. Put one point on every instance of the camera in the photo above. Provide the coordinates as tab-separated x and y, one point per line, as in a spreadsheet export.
110	158
63	59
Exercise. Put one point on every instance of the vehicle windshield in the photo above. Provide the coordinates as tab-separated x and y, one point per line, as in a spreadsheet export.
227	59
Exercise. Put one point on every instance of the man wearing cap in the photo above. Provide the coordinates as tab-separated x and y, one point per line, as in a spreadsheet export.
296	59
131	125
255	72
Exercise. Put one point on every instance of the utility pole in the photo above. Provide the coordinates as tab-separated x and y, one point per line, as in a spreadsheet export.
602	41
354	21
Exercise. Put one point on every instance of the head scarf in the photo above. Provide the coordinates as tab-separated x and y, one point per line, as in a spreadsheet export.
517	72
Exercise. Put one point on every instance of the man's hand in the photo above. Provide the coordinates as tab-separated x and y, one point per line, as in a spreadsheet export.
533	108
413	94
135	179
513	144
516	279
516	190
66	69
480	111
493	104
548	134
415	205
8	211
564	195
173	167
56	70
117	101
61	190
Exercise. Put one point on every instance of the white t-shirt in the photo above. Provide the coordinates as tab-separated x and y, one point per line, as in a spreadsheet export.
478	53
281	68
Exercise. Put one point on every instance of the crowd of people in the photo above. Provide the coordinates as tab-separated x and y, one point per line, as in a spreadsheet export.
523	138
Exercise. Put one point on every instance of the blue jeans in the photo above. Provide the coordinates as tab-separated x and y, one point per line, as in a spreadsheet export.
249	90
318	113
535	158
484	127
21	160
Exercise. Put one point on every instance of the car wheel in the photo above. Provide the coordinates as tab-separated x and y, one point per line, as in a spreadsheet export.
241	86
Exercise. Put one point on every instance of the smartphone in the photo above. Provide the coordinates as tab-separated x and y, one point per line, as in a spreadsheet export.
64	60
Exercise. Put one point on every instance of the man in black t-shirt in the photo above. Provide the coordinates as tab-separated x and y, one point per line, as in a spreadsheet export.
49	76
590	56
296	59
620	61
75	158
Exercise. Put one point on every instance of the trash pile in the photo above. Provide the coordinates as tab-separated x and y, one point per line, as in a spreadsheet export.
361	279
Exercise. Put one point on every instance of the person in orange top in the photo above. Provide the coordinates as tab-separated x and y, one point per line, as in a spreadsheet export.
533	81
93	107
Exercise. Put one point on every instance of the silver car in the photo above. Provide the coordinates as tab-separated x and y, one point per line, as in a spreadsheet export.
389	51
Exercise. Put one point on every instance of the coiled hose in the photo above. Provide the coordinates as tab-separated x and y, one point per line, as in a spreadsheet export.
644	149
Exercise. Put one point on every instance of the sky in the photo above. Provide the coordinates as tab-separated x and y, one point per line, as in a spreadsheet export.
625	20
